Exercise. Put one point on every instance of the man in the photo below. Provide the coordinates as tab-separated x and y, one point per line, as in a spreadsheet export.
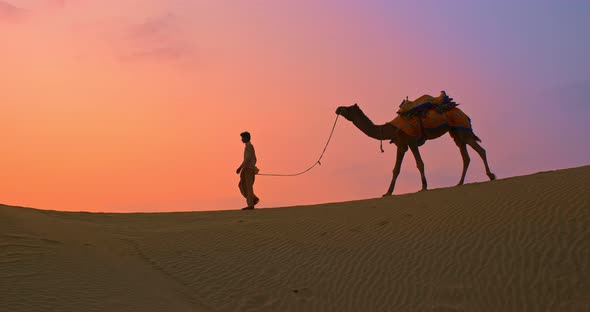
247	172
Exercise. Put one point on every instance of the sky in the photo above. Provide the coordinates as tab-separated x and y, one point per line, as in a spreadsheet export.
137	105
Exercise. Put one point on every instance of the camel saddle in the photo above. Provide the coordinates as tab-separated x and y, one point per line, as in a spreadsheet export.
428	113
420	105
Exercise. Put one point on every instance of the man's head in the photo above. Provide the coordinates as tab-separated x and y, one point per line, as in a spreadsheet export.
245	136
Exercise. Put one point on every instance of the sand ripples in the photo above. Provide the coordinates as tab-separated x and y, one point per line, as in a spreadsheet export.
518	244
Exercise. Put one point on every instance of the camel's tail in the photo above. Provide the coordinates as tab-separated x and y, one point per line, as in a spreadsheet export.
477	139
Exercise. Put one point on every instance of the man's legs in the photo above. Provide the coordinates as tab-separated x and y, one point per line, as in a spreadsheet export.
246	185
255	198
242	185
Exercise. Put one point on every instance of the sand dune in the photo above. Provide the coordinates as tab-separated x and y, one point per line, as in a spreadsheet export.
517	244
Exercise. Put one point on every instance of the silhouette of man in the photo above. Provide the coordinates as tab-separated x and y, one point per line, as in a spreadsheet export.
247	172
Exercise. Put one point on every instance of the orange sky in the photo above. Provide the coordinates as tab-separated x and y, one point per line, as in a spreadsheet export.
138	106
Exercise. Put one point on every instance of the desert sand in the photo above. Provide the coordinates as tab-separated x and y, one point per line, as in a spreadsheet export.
515	244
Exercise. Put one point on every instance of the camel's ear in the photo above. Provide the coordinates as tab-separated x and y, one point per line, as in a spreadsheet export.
356	105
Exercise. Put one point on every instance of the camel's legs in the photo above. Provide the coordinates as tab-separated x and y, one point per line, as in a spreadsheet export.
466	160
482	153
401	151
460	138
419	164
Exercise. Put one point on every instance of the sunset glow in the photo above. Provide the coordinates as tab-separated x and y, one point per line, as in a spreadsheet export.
138	105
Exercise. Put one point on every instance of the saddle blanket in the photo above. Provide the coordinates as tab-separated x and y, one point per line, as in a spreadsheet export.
453	118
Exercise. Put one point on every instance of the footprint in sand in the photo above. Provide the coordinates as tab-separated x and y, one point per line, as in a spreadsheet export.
382	223
302	292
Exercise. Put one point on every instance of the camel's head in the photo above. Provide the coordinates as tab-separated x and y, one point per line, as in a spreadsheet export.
348	112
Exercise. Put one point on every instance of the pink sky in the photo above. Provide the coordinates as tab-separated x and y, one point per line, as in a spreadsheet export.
138	105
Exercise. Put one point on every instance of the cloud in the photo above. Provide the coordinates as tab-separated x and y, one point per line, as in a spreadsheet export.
10	12
156	38
153	27
127	38
161	53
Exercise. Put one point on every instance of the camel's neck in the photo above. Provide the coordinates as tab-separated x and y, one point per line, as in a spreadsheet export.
365	124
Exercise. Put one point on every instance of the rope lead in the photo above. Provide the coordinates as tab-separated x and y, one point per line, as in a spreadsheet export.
306	170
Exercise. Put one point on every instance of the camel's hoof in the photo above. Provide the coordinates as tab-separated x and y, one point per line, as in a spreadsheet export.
423	190
492	176
386	194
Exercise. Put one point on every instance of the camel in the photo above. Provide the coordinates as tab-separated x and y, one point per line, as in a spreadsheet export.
404	141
